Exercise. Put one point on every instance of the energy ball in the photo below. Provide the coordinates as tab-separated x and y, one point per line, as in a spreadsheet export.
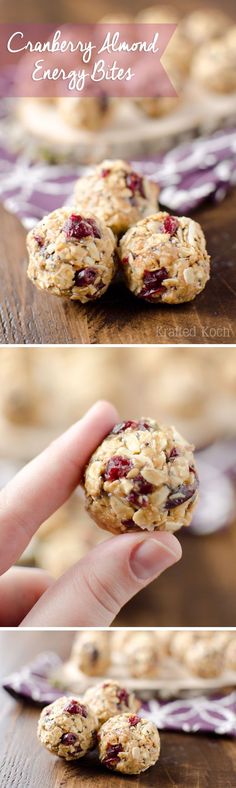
116	194
156	107
181	642
71	255
204	659
68	728
214	67
142	476
90	113
109	699
142	657
230	655
128	744
91	653
164	259
204	24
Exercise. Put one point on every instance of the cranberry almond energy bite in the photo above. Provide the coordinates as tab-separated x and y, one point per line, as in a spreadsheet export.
109	699
116	194
91	652
71	255
68	728
128	744
142	476
164	259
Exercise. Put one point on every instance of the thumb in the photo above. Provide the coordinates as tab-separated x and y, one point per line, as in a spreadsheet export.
92	592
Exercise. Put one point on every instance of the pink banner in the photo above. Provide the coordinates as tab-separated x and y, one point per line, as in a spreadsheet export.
102	60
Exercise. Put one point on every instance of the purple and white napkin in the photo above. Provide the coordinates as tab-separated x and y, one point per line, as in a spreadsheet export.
188	175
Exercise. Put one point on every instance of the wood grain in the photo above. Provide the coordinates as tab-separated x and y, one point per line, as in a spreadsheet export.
187	761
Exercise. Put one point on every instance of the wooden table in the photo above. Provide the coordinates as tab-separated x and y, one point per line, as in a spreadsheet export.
187	761
29	316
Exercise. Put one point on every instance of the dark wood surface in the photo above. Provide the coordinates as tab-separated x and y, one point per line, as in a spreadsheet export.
187	760
198	591
29	316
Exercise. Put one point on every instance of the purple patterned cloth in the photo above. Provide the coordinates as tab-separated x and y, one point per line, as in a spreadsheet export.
200	714
188	175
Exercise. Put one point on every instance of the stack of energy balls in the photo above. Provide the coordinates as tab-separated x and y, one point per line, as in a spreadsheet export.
114	223
106	718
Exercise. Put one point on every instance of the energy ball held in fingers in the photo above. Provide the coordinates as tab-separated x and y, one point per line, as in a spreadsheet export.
116	194
71	255
141	477
109	699
91	652
68	728
128	744
164	259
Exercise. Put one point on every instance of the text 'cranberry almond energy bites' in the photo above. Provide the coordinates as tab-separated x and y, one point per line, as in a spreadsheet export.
116	194
72	255
128	744
164	259
68	728
142	476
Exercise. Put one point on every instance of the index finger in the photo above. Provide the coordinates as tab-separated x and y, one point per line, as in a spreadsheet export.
44	484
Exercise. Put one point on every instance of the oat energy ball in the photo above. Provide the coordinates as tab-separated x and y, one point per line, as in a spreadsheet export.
88	112
128	744
164	259
71	255
109	699
205	24
205	660
116	194
141	654
68	728
91	652
214	67
142	476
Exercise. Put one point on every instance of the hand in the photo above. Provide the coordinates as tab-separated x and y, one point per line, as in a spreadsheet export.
92	592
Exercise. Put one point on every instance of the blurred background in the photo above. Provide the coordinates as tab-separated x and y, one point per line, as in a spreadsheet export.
43	390
200	60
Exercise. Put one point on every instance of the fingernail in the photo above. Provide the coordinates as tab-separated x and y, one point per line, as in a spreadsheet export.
151	557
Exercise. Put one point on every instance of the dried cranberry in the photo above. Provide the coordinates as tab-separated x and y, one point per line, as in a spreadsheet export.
134	720
144	425
123	696
39	240
74	707
93	653
135	183
124	425
152	282
68	738
117	467
169	225
138	495
77	227
124	260
128	523
112	754
172	454
85	277
181	495
105	172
